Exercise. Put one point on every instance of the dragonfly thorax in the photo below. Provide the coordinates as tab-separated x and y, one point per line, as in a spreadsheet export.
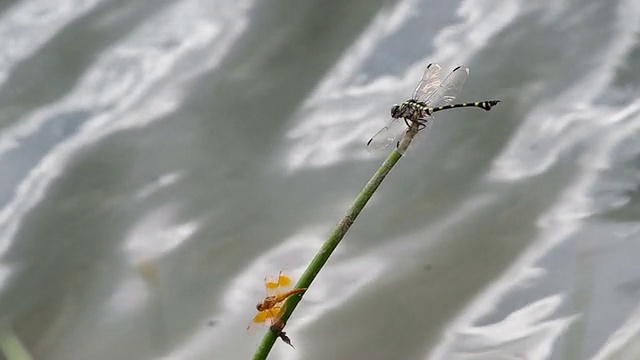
411	110
267	303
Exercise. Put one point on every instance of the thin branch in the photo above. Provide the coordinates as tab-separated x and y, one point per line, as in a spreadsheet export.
338	233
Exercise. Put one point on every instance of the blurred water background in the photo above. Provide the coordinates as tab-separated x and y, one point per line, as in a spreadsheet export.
159	158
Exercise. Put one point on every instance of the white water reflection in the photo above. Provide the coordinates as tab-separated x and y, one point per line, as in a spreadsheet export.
28	25
523	334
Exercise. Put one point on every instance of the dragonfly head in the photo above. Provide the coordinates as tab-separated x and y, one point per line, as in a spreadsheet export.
395	111
260	307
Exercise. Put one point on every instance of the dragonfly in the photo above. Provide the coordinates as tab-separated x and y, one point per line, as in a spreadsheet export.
271	308
430	96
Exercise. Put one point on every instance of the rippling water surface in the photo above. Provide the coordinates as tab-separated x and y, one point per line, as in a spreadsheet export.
159	158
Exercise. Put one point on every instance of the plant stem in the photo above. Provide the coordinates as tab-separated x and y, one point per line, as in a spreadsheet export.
11	346
334	239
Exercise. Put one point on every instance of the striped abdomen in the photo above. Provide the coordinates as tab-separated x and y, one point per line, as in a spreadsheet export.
485	105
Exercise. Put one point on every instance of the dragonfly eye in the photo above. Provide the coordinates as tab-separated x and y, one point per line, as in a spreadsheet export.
259	306
395	111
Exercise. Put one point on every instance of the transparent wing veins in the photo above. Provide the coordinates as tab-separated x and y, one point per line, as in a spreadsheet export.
449	88
429	83
390	134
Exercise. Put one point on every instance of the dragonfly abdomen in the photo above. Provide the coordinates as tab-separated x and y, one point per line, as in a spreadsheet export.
485	105
284	296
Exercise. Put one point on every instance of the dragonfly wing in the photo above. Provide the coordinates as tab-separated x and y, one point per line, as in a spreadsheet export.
271	285
277	285
449	88
388	135
276	313
284	281
262	317
429	83
267	317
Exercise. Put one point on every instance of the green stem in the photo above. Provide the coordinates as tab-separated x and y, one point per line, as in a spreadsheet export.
334	239
11	346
